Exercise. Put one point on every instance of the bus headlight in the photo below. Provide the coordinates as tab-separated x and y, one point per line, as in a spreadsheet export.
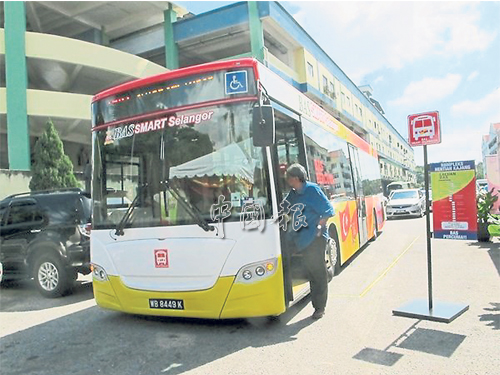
257	271
98	273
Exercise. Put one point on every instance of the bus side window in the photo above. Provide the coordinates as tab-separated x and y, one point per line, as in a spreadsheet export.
328	162
288	149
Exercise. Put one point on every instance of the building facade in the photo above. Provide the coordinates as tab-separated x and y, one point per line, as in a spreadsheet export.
491	142
55	55
266	31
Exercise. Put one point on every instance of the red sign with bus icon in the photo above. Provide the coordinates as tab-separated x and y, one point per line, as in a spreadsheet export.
424	129
161	258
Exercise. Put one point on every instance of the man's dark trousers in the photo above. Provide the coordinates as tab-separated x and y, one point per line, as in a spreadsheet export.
315	266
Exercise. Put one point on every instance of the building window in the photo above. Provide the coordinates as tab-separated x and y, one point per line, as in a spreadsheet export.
310	69
325	85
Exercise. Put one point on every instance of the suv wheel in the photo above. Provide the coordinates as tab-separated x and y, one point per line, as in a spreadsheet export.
51	278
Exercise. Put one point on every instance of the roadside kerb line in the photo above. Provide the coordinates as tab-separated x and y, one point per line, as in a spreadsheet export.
369	287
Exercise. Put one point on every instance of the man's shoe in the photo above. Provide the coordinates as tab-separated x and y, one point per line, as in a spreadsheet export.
318	314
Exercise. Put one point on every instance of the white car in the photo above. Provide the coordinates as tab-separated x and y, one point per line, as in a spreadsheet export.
481	185
406	202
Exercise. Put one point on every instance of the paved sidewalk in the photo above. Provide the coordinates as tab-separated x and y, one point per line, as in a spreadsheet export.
463	272
359	334
376	342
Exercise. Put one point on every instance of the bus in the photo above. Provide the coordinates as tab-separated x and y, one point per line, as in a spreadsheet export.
188	185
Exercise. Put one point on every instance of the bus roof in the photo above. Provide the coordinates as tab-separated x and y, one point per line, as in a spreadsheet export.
178	73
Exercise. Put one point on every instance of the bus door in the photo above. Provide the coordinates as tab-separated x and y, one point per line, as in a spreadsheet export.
288	149
359	194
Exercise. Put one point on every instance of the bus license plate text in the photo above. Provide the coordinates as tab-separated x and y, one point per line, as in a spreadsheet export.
168	304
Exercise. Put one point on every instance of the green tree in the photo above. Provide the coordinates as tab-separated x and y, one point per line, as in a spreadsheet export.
480	170
419	171
52	168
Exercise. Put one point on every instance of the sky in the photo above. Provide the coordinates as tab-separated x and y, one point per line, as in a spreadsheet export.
418	57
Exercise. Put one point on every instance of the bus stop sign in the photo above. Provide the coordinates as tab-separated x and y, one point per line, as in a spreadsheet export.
424	129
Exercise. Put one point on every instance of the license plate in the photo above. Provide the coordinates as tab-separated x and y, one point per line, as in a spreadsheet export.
167	304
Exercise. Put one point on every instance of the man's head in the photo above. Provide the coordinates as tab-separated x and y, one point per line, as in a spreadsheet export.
296	176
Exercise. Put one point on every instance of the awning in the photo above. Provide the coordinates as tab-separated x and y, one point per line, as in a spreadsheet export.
228	161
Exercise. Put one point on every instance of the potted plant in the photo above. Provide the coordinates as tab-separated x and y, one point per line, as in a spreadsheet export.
485	202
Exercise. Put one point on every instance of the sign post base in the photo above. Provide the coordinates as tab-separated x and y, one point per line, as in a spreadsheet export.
441	311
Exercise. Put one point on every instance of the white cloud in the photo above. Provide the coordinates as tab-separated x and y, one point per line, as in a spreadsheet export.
363	37
488	105
472	76
427	91
455	145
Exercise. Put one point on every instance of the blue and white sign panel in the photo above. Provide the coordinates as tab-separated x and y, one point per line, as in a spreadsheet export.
236	82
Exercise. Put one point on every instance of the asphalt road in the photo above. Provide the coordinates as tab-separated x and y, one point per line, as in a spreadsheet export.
358	335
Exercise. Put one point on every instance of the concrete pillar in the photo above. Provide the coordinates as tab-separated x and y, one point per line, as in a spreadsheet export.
171	50
18	132
256	31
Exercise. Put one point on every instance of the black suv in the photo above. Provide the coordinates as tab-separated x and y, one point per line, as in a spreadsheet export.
46	235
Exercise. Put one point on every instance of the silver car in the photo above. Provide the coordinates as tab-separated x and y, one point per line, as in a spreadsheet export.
406	202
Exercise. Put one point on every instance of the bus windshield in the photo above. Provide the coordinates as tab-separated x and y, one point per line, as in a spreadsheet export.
204	156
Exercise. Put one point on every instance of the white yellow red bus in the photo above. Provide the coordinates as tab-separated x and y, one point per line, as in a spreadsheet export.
186	207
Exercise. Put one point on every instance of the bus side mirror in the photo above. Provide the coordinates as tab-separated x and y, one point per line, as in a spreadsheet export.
263	126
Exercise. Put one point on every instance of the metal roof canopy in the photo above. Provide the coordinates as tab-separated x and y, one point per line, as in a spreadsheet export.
73	18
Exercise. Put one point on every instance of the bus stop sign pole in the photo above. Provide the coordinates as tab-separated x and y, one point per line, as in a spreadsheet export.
428	229
422	309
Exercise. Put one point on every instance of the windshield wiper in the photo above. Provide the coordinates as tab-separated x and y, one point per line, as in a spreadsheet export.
126	218
191	209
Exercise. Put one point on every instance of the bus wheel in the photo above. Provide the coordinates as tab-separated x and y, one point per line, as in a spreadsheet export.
375	226
332	258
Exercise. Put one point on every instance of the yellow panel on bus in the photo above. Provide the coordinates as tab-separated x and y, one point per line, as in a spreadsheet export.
346	225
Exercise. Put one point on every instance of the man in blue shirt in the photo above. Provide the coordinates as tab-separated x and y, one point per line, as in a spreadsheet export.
310	238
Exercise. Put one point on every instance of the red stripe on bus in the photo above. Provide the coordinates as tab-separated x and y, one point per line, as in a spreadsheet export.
178	73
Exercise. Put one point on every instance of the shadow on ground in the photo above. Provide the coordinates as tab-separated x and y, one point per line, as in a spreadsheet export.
124	344
429	341
22	295
493	317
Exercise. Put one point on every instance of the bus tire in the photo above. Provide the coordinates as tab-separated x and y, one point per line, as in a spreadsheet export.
332	258
375	226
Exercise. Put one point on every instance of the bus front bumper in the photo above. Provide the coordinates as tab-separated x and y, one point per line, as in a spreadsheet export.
225	300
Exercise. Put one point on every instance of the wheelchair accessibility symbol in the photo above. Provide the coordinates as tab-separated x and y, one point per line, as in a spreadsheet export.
236	82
